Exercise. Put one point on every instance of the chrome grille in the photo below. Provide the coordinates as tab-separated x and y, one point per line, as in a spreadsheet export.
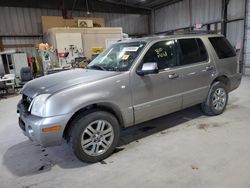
26	101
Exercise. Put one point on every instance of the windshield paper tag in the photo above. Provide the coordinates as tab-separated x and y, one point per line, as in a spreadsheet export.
130	49
125	57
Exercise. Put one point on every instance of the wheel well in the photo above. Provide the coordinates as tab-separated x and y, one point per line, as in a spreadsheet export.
224	80
91	108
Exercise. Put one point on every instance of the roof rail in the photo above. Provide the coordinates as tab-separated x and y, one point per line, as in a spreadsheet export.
193	32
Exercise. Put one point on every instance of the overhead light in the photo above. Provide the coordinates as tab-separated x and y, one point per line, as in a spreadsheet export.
87	6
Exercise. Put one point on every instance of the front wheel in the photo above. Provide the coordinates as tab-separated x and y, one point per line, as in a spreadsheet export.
95	136
216	101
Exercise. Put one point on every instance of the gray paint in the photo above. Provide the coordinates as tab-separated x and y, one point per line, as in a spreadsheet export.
134	98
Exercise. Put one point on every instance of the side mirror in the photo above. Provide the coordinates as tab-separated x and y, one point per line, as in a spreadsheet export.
148	68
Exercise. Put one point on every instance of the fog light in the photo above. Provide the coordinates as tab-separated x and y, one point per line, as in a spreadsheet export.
30	131
52	129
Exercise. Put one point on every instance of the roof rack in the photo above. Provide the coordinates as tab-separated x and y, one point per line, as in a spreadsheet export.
193	32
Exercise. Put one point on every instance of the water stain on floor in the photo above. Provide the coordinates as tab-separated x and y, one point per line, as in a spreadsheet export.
205	126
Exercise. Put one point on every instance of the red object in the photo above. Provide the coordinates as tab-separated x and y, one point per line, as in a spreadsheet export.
61	54
30	61
198	26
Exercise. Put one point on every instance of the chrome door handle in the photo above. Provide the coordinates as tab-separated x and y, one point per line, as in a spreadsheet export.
173	76
209	68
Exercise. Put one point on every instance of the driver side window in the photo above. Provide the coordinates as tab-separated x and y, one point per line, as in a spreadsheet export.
163	53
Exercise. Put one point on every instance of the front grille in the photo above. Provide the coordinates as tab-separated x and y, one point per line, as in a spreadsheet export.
26	101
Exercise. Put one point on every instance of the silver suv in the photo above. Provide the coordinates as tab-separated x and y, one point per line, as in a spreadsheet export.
131	82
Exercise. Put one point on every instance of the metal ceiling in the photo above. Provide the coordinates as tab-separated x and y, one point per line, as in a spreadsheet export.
144	3
114	6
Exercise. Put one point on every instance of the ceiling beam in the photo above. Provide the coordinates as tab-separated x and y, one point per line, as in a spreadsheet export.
94	6
126	4
162	3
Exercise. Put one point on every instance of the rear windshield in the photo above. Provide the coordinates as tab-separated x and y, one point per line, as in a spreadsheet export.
222	47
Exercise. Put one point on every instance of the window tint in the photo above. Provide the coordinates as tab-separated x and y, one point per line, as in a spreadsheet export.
192	51
203	51
163	53
222	47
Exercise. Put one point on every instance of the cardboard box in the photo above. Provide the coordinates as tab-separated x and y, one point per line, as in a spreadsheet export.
58	21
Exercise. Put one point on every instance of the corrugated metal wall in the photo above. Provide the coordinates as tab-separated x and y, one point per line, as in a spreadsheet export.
202	11
27	21
247	42
206	11
23	40
172	17
178	15
235	30
236	9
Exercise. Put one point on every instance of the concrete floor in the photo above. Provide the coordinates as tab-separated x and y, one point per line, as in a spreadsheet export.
185	149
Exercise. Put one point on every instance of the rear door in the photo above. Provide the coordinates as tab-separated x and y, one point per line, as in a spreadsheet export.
197	70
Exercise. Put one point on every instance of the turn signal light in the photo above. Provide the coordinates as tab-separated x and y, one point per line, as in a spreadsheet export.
52	129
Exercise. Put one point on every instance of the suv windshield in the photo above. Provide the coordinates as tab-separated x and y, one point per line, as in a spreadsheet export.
119	57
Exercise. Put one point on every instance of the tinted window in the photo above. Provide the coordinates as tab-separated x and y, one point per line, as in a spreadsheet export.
163	53
192	51
222	47
203	51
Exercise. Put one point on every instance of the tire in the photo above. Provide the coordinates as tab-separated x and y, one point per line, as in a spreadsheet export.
94	136
210	106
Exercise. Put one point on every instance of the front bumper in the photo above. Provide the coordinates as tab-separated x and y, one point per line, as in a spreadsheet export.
32	127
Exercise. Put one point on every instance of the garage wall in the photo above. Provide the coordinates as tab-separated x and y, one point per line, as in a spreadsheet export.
187	13
247	41
27	21
206	11
23	40
172	17
236	9
178	15
235	29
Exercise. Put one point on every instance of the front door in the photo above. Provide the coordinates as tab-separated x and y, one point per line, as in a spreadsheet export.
154	95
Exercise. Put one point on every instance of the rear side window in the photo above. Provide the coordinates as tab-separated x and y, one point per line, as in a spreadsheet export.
222	47
192	51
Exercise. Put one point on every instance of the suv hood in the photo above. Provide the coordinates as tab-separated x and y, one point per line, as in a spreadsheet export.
58	81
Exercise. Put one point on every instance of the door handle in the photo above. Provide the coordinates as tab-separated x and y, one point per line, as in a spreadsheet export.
173	76
209	68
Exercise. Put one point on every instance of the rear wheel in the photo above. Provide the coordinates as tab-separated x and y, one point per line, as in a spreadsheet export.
95	136
216	101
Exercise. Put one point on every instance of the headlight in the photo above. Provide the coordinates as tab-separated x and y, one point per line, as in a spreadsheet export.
37	106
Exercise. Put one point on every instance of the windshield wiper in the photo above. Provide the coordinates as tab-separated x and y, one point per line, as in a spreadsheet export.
97	67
